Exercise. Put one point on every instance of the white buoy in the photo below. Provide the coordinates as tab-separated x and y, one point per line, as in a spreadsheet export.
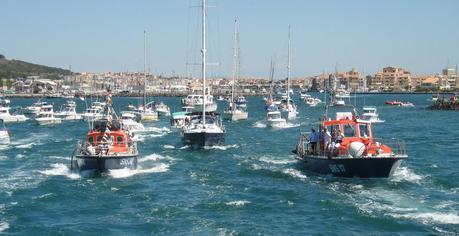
356	149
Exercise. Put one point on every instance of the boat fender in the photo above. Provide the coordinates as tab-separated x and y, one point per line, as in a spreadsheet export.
356	149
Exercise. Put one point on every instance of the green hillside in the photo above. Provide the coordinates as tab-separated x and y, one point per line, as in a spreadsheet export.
17	68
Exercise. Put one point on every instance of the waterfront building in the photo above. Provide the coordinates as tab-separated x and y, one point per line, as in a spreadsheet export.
392	78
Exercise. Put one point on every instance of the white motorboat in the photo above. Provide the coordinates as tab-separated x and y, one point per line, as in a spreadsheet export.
162	109
68	112
342	93
370	114
274	118
6	116
128	120
4	134
312	102
196	101
35	107
93	113
339	102
46	116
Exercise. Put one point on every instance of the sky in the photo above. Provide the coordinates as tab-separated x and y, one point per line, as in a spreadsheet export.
107	35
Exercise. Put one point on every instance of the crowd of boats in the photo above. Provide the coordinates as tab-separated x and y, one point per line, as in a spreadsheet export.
343	146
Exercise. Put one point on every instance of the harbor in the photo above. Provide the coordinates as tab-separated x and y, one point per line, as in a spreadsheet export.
228	118
254	173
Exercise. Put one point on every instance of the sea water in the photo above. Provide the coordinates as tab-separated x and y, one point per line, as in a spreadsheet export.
251	185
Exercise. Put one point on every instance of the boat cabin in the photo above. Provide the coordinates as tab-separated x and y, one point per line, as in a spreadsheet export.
345	130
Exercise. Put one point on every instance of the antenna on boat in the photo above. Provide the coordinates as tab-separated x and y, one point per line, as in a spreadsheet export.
203	65
144	71
235	64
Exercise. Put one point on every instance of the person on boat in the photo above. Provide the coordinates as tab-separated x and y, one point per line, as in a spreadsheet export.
326	139
337	140
313	139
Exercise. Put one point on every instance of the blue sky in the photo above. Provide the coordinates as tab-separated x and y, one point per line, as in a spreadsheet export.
107	35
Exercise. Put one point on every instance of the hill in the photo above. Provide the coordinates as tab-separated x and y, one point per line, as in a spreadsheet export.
17	68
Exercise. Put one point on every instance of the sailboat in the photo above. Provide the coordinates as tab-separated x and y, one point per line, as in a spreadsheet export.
288	105
203	128
147	112
238	107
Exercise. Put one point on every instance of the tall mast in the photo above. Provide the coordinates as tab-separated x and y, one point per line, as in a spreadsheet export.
144	71
235	63
271	87
203	64
288	70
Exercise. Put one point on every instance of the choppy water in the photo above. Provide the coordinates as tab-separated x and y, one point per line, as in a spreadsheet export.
250	186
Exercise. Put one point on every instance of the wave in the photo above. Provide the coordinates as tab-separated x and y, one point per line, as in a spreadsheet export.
59	169
259	124
237	203
4	226
157	130
222	147
294	173
155	157
276	161
125	173
431	217
405	174
168	146
29	145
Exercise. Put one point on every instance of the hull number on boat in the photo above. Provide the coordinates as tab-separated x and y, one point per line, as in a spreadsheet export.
337	168
126	162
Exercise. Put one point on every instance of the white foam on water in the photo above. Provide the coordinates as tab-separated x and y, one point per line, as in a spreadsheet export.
222	147
405	174
20	156
431	217
276	161
237	203
3	157
4	226
43	196
290	125
114	189
29	145
259	124
157	130
294	173
125	173
156	157
434	166
184	147
168	146
59	158
59	169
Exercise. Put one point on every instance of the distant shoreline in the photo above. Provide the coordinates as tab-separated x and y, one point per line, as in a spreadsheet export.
185	94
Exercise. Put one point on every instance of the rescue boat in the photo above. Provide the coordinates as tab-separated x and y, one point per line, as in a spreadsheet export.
107	146
353	150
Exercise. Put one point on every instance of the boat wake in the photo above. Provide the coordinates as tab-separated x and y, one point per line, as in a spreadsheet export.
226	147
259	124
59	169
4	226
125	173
405	174
381	202
152	132
237	203
168	146
153	163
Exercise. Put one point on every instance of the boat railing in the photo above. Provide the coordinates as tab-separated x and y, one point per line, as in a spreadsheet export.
398	146
305	147
102	149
